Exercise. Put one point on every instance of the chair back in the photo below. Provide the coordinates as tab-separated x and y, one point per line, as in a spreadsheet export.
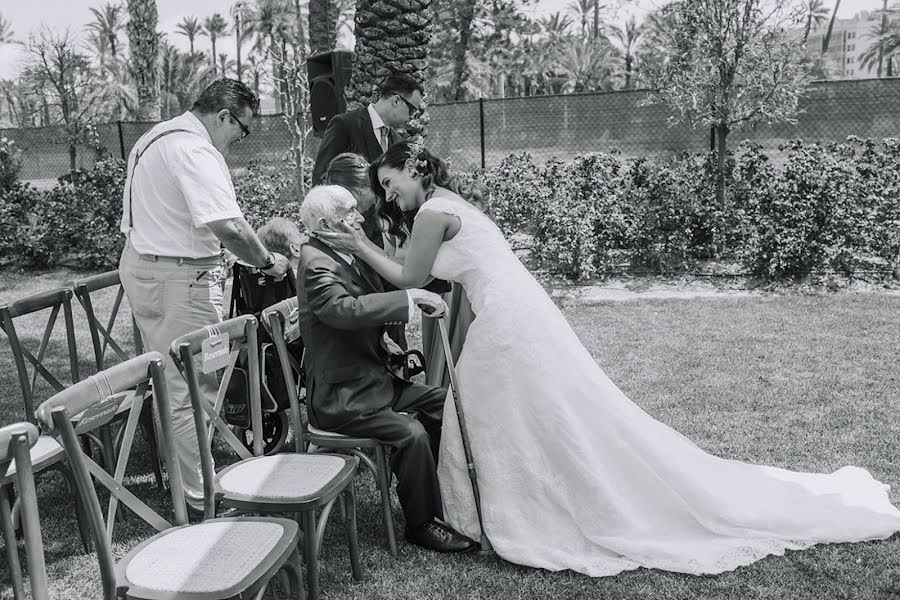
95	401
282	322
54	301
102	334
231	337
16	441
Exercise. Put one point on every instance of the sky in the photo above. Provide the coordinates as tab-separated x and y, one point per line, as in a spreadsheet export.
59	14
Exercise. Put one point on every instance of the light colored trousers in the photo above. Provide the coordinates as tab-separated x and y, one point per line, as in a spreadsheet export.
168	300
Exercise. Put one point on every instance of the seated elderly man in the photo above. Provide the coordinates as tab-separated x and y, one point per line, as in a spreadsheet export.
343	314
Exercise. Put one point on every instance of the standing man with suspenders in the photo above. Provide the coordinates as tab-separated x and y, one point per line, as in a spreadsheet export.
178	210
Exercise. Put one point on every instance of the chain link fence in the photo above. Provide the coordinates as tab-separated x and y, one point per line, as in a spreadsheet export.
482	133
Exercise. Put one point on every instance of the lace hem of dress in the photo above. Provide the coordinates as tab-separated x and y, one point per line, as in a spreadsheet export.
608	567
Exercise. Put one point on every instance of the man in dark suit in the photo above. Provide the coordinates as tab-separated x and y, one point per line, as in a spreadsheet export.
342	315
369	130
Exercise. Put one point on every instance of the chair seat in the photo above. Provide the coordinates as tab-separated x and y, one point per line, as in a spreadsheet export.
45	452
221	557
283	479
320	437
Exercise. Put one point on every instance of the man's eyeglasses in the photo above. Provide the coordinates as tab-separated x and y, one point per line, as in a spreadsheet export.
245	131
414	110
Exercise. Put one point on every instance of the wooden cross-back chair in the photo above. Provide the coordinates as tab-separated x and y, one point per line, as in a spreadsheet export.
222	558
281	321
46	453
301	485
16	441
102	336
56	300
103	340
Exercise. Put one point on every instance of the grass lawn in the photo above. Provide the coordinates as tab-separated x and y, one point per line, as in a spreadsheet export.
804	382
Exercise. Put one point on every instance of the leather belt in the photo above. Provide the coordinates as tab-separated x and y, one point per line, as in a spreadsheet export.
209	261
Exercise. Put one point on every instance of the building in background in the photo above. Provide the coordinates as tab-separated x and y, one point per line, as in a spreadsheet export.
850	38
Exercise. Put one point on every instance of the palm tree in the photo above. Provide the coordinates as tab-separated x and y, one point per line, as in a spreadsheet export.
384	45
827	40
242	15
816	13
886	38
143	39
626	41
582	9
169	67
6	33
190	28
214	27
322	25
255	68
225	63
555	27
109	22
273	19
585	66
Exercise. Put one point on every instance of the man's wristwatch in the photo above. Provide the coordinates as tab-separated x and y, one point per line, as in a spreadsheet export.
270	262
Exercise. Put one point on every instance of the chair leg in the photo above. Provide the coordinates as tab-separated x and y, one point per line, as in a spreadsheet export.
80	512
292	570
8	530
352	538
149	431
382	479
312	554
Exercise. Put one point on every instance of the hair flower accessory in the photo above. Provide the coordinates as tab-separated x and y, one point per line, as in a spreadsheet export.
415	160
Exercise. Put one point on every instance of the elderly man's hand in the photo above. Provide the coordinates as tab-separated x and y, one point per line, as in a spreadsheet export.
430	303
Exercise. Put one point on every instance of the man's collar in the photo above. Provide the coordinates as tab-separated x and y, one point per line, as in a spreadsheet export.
192	122
377	121
347	258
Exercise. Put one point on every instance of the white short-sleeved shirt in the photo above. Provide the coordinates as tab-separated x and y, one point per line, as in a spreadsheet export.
181	184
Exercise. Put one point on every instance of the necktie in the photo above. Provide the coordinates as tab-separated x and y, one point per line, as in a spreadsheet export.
384	137
354	266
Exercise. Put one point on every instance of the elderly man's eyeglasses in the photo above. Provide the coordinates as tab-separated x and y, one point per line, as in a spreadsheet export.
245	131
414	110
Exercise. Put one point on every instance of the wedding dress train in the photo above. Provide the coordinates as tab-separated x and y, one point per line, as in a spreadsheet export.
574	475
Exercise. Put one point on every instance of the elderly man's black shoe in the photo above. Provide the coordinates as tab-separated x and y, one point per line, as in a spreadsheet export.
439	537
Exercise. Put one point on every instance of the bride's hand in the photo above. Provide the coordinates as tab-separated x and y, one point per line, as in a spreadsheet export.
349	240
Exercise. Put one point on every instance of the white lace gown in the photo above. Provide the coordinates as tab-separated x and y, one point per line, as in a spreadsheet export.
573	475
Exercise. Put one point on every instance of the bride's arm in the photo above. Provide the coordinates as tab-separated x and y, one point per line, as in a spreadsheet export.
427	236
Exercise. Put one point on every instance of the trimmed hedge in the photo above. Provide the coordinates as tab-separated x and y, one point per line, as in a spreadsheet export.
831	208
826	208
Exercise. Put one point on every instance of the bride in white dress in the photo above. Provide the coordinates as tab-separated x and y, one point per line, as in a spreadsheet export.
573	474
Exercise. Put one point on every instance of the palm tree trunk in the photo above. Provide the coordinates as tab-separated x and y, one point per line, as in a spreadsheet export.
596	19
322	25
827	39
213	57
882	32
466	16
237	42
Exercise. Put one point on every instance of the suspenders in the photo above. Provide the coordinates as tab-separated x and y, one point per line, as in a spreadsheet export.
137	157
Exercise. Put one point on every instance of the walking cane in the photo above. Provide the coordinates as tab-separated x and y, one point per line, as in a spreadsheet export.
463	432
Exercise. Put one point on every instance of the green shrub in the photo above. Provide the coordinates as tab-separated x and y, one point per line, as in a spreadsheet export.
264	192
10	164
812	216
77	222
518	191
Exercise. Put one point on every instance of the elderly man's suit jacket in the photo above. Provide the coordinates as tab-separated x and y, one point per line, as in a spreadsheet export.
342	317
